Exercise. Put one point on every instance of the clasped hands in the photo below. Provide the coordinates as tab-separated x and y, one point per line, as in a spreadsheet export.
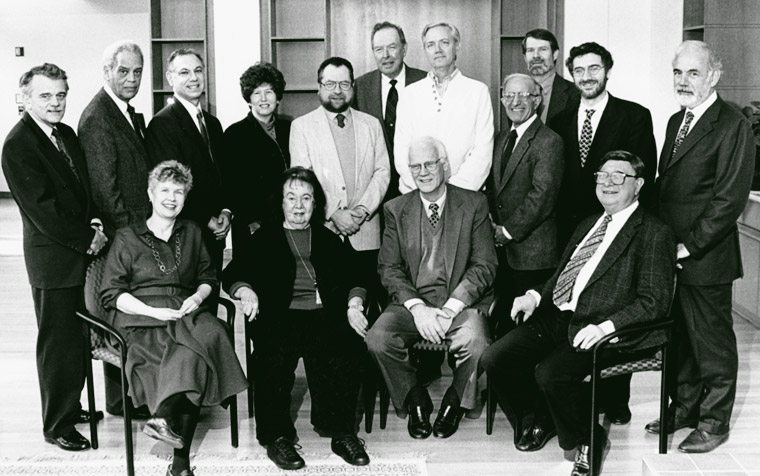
220	225
432	323
499	237
189	305
348	221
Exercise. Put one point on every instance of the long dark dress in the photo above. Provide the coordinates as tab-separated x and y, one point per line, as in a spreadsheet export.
192	355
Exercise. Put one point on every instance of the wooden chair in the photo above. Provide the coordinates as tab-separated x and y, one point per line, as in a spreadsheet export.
98	334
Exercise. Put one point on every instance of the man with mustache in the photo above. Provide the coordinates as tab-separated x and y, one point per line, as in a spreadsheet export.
541	50
705	175
599	124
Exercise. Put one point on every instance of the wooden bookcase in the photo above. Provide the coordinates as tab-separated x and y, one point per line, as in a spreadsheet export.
180	24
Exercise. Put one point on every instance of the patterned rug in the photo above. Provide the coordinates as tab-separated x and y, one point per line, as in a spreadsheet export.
208	466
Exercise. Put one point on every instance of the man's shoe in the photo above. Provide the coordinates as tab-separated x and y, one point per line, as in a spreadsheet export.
582	464
351	449
535	437
618	414
447	421
674	423
184	472
71	441
700	441
83	416
418	422
283	453
159	429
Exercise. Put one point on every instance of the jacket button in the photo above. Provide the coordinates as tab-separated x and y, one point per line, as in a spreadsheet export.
343	188
500	207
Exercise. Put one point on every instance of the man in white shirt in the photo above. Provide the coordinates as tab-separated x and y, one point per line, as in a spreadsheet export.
452	108
617	270
437	262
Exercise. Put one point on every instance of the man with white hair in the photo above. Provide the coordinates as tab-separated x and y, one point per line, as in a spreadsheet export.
437	262
449	106
705	173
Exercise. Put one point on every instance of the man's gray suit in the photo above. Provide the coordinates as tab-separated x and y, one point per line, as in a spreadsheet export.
564	96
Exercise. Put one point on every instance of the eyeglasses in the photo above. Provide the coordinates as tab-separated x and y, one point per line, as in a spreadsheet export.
430	166
592	70
617	178
523	95
330	85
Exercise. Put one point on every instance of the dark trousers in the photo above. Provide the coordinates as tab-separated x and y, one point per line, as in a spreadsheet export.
707	355
536	372
331	373
60	357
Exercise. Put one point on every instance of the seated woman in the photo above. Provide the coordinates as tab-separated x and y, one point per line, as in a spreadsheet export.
157	276
293	271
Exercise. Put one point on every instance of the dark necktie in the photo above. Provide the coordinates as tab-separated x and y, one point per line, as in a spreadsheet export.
682	133
586	136
390	111
434	217
563	290
65	153
204	133
136	125
511	141
341	120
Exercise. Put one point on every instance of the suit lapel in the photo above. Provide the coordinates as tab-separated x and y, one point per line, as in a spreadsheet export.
703	127
409	221
376	90
608	124
499	144
618	246
670	139
328	150
119	121
519	151
558	99
451	228
361	142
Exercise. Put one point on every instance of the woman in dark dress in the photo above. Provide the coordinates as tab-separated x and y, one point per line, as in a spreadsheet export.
256	150
157	276
295	273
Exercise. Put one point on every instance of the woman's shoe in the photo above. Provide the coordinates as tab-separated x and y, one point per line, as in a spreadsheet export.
158	428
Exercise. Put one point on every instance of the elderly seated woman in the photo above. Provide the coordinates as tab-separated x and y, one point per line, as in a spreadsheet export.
157	276
294	272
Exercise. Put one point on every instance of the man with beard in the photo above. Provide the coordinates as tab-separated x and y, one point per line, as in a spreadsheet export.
705	176
347	152
541	50
599	124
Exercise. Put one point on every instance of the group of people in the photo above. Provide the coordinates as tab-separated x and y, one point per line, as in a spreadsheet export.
388	215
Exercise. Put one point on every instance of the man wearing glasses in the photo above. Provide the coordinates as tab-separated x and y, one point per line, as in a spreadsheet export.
437	262
616	270
347	152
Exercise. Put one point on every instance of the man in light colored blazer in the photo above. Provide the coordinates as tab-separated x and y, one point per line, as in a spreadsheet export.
438	264
346	150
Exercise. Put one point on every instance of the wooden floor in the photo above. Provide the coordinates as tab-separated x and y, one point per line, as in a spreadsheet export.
468	452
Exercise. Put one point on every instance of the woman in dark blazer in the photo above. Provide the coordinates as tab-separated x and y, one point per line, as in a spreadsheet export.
295	273
256	150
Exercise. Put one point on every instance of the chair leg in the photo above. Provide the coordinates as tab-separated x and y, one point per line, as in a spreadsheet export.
385	401
490	408
90	390
249	369
127	422
369	395
234	421
592	456
664	402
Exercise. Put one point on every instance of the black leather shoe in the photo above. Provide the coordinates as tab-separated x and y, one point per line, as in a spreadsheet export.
618	414
159	429
674	423
447	421
700	441
83	416
418	422
351	449
283	453
581	466
535	438
71	441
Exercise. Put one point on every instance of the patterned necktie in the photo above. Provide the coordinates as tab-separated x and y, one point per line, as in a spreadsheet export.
682	133
341	120
135	122
508	151
585	143
390	112
434	217
204	133
563	290
65	153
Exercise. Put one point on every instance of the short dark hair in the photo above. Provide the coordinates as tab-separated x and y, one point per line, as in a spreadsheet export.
171	170
301	174
623	155
541	34
49	70
336	61
262	73
589	48
184	52
386	24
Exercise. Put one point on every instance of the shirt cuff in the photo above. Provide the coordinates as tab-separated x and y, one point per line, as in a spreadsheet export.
409	304
228	211
506	233
97	223
358	292
455	305
236	286
535	295
608	327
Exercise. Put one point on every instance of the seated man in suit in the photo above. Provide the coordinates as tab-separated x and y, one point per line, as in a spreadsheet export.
438	263
617	270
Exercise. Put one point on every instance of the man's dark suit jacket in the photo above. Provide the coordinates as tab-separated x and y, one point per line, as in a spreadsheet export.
704	188
524	199
117	162
466	244
625	126
55	207
173	135
564	96
632	283
368	98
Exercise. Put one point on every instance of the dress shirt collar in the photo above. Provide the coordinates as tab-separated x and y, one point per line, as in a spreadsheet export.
440	202
400	78
192	109
141	227
119	103
620	218
45	128
547	82
700	110
446	79
598	107
524	126
331	115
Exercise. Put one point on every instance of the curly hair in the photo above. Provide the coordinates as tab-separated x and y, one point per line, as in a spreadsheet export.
171	170
258	74
301	174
